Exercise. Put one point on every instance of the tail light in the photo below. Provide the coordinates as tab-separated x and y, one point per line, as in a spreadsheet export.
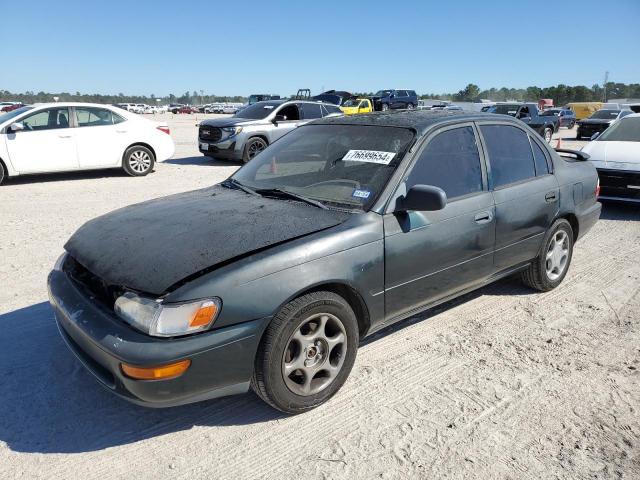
165	130
598	188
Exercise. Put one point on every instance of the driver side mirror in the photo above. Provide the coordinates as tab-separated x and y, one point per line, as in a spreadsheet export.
16	127
422	198
279	118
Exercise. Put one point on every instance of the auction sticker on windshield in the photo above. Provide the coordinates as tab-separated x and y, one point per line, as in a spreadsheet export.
371	156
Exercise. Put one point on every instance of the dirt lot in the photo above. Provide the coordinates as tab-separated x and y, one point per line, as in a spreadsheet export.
503	383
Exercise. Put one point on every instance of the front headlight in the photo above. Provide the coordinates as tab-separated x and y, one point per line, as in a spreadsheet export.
167	319
232	130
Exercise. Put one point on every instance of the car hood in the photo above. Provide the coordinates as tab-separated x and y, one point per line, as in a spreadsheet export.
229	122
614	155
595	121
153	245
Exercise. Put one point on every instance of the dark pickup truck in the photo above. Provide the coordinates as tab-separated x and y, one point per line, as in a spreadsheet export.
546	126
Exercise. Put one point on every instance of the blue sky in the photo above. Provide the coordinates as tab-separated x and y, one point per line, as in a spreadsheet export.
254	46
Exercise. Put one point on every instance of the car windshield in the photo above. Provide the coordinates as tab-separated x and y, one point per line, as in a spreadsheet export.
339	165
550	113
505	109
626	130
258	111
382	93
14	113
605	114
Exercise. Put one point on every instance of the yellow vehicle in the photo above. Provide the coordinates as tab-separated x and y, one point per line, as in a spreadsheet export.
584	109
357	105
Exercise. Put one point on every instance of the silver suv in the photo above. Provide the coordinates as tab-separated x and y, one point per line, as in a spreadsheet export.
252	129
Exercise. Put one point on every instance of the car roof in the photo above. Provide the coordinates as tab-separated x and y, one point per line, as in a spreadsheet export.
419	120
77	104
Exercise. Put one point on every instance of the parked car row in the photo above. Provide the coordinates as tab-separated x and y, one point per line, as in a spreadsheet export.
141	108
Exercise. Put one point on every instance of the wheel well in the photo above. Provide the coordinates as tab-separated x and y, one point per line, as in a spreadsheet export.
142	144
353	298
573	221
263	137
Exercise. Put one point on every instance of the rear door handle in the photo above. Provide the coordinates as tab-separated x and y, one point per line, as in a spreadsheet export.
64	136
483	217
550	197
121	131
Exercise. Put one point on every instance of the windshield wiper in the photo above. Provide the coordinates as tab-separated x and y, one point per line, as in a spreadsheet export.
285	193
237	184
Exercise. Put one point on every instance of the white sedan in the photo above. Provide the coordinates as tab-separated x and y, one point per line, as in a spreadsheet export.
57	137
616	156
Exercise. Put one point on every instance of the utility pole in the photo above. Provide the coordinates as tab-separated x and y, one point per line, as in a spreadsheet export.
604	87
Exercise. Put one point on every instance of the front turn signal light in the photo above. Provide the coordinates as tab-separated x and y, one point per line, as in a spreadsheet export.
159	372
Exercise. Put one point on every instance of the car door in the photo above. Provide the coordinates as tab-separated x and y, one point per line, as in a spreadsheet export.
102	137
431	255
287	117
526	192
46	144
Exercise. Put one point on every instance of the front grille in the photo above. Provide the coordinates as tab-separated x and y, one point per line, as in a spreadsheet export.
93	285
616	183
213	134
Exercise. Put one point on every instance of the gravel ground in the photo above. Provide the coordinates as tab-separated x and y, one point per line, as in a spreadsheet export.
502	383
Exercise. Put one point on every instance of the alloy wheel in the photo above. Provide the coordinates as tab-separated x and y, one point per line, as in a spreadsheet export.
255	148
557	255
140	161
314	354
548	134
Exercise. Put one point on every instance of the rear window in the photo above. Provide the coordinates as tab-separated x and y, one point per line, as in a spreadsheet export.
510	154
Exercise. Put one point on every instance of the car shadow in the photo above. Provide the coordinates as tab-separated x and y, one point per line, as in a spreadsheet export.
65	176
201	161
50	404
612	210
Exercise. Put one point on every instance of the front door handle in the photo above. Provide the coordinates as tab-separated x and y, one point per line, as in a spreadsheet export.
121	131
550	197
64	136
483	217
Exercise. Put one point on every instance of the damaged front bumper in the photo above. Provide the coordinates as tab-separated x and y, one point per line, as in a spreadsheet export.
221	360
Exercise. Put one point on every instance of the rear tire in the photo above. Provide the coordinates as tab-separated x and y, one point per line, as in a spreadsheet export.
550	267
138	161
253	147
306	353
3	174
547	134
410	106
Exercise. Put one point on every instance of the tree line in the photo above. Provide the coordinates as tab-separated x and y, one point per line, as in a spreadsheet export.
193	98
561	95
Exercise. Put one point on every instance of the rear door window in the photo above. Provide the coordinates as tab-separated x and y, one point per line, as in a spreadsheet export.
451	161
311	111
510	154
540	159
95	117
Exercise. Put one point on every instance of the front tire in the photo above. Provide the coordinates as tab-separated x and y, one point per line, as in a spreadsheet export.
138	161
385	107
3	174
253	147
410	106
306	353
550	267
